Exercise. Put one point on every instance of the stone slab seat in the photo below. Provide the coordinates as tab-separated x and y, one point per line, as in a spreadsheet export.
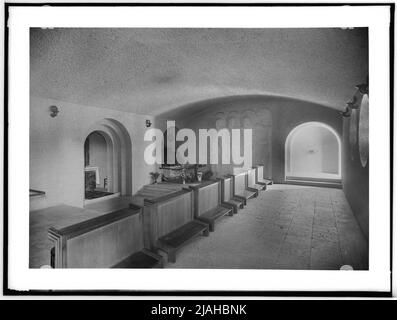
215	213
263	181
141	259
230	200
173	241
259	187
247	194
234	203
251	180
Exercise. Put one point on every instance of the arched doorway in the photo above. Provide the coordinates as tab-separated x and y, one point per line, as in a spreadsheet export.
313	153
107	160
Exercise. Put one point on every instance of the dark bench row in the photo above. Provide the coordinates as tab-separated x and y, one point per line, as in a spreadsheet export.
213	200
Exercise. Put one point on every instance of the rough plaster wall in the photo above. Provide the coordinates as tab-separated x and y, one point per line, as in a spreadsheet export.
57	148
150	71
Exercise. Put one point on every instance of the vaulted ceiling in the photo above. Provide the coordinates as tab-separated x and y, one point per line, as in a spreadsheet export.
151	71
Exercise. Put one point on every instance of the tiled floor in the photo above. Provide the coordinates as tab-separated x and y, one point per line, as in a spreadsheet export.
286	227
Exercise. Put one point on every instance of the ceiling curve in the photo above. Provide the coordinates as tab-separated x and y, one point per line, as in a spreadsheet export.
152	71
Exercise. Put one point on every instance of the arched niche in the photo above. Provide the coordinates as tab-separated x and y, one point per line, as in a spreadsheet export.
313	151
118	154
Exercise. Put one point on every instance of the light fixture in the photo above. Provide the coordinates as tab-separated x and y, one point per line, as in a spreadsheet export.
353	103
54	111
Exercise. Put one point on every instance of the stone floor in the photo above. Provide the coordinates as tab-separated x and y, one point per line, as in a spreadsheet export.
286	227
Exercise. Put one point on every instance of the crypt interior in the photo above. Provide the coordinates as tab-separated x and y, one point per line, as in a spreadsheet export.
303	203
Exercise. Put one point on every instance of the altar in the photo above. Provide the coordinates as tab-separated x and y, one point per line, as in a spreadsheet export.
189	173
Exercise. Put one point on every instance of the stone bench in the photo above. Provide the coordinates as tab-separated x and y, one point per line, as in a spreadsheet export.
104	242
241	190
251	181
169	222
173	241
227	194
259	177
207	203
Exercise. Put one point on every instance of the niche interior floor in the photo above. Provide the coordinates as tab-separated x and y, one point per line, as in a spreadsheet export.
286	227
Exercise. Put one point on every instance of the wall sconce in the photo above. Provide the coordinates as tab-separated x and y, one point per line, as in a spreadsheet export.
148	123
54	111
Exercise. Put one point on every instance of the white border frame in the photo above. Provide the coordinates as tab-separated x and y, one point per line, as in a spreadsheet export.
20	277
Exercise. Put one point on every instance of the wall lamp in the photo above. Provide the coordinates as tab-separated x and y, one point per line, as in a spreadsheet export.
54	111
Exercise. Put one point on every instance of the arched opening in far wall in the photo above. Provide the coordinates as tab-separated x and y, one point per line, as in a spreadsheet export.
313	153
107	161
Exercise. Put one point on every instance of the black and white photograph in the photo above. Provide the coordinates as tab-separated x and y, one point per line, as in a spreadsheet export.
96	201
225	149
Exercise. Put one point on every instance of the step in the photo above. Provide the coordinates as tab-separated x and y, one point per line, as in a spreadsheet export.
174	240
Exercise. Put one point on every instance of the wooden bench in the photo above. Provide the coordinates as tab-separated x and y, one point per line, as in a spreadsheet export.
259	177
227	195
110	240
169	222
251	180
176	239
207	203
241	190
